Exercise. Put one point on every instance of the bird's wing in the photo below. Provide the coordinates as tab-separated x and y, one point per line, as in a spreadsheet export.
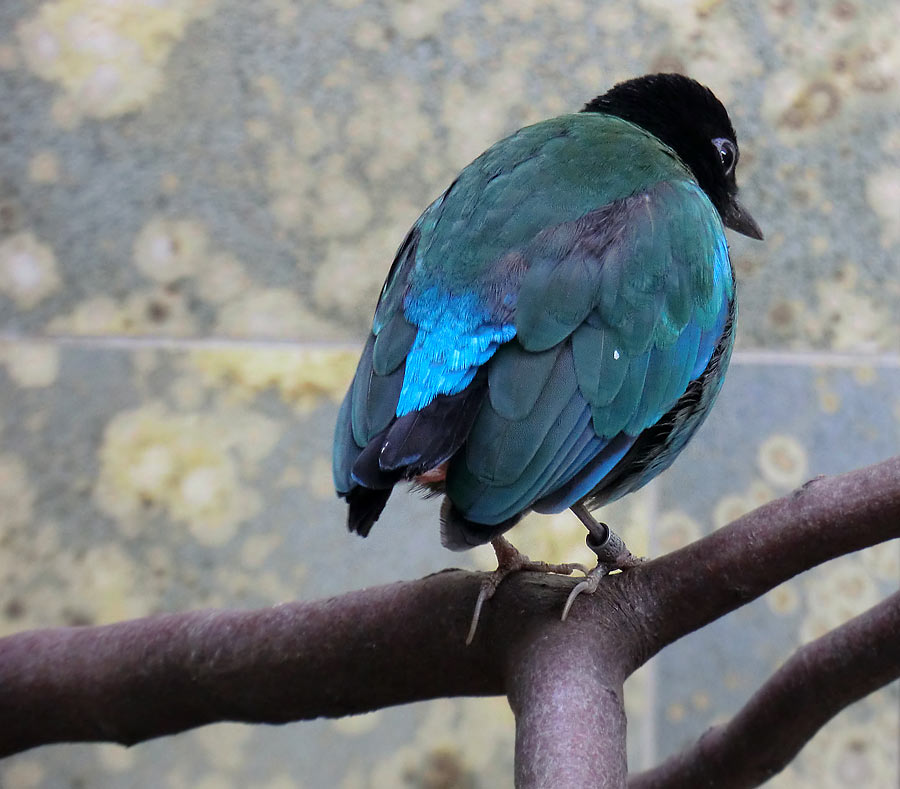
616	314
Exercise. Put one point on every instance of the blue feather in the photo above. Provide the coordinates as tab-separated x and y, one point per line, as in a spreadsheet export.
456	336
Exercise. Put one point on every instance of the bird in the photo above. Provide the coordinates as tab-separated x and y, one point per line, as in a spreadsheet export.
555	326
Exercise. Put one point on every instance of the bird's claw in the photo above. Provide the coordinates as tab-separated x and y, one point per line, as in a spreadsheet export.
589	585
623	560
605	543
485	593
510	560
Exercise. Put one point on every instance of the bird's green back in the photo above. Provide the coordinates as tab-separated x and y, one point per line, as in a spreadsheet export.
552	172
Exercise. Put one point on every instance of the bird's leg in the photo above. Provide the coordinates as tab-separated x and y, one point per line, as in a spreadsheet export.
511	560
612	554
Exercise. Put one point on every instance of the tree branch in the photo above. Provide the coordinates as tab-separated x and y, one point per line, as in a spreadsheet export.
819	680
131	681
564	683
396	644
825	518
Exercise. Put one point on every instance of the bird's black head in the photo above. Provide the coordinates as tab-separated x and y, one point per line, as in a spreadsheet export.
688	118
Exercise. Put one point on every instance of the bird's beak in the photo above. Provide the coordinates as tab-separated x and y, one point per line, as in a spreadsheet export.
738	218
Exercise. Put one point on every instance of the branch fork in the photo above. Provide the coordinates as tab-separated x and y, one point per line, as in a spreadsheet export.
401	643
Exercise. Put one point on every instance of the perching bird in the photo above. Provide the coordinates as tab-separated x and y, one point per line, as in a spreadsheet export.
557	324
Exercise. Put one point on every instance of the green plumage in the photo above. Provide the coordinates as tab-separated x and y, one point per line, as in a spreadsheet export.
516	380
509	194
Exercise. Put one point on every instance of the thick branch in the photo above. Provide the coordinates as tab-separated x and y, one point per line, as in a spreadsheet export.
566	692
405	642
819	680
145	678
827	517
365	650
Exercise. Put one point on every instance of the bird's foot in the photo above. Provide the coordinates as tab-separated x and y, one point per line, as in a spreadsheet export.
612	554
511	560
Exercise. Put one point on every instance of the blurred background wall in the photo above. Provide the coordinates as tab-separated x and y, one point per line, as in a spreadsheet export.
198	202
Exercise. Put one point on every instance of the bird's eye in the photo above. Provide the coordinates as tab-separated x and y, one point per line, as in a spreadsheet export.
727	153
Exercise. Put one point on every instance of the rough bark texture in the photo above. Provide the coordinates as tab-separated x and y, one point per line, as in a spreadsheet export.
405	642
820	679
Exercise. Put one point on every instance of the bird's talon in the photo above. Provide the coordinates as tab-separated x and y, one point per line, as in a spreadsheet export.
589	585
510	560
485	593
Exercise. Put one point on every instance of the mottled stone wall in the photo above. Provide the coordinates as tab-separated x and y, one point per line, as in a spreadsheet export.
198	202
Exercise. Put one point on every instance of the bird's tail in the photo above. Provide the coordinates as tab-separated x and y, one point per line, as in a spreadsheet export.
413	447
365	508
